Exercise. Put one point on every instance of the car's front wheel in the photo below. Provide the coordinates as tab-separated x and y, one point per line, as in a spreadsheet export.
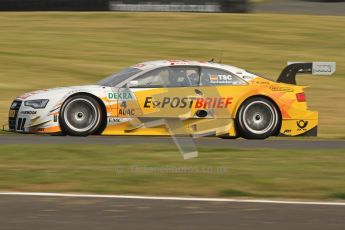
258	118
80	116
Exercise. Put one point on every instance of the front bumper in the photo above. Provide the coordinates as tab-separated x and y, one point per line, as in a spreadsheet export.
13	122
27	120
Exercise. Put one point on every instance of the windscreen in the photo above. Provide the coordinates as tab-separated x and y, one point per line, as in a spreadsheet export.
119	77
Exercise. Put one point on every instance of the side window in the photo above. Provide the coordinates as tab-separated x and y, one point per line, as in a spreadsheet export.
184	76
211	77
167	77
157	78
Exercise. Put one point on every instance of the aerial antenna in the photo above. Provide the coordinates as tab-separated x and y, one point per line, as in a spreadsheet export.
220	56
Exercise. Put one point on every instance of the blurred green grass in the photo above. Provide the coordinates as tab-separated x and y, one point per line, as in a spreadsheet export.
42	50
159	170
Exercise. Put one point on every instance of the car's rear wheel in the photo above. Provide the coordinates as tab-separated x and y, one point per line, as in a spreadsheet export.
80	116
258	118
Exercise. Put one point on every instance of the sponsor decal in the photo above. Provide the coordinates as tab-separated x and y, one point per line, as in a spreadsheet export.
28	112
178	62
114	120
322	68
220	79
184	102
302	125
120	96
213	103
129	112
213	78
278	88
261	82
287	131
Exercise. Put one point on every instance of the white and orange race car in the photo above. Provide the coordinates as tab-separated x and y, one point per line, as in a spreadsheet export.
174	98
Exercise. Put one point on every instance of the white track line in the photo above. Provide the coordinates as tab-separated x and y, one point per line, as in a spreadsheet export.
171	198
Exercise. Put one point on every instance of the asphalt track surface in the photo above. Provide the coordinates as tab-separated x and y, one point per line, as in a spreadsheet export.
59	212
54	212
200	142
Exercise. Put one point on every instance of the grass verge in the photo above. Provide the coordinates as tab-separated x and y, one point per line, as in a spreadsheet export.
159	170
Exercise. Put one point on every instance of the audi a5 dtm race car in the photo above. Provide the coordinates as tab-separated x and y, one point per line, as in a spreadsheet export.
203	98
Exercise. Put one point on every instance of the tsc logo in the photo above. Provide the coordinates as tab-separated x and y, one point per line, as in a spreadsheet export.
302	124
220	78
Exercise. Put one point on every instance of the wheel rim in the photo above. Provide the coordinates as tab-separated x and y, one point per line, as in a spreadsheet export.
81	115
260	117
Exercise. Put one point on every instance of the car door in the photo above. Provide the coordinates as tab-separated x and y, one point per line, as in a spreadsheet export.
167	92
220	89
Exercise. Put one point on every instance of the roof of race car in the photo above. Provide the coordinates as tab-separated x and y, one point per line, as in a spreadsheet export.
162	63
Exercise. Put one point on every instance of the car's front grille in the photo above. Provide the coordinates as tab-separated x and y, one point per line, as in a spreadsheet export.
12	117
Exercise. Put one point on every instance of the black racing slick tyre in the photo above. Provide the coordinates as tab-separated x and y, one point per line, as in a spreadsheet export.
228	137
258	118
80	115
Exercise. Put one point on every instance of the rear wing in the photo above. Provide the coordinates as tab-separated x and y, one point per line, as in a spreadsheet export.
288	75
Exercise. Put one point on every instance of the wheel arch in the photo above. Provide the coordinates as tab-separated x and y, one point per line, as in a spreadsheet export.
100	102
